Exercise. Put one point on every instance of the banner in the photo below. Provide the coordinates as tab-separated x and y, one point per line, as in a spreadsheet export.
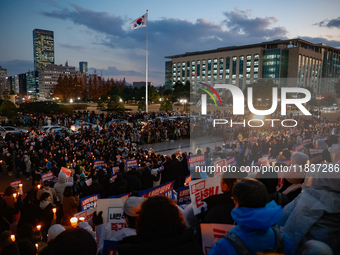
196	160
183	195
123	197
15	184
316	158
219	166
232	161
131	163
115	170
110	247
47	177
86	214
288	162
99	164
211	233
307	140
202	189
165	189
187	180
67	171
299	148
112	212
315	151
89	202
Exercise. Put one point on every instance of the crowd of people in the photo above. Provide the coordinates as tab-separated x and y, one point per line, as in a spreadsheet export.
298	216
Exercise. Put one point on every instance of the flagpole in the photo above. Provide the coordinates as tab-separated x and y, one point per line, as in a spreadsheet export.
147	64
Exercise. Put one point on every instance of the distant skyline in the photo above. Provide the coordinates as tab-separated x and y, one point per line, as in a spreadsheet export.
98	32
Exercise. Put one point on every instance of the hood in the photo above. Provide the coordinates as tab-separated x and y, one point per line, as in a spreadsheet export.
62	178
258	218
44	204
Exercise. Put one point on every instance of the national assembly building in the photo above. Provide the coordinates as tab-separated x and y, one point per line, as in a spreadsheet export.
301	63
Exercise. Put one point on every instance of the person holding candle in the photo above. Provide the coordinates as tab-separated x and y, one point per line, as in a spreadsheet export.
70	202
46	213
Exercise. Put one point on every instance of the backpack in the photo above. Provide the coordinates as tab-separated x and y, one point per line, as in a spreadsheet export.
242	248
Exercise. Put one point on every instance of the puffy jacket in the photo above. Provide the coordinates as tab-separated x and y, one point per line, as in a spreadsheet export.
70	205
254	229
61	185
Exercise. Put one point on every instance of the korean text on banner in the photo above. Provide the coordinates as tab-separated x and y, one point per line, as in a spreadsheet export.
211	233
183	195
112	212
86	214
232	161
196	160
47	177
99	164
299	148
89	202
67	171
132	163
187	180
202	189
123	197
166	189
15	184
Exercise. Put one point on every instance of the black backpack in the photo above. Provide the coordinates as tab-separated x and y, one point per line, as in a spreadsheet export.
242	248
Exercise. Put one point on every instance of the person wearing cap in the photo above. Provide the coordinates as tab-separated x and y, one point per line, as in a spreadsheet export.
131	208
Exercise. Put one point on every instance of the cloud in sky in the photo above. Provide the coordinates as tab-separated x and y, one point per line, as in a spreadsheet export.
171	36
17	66
72	47
329	23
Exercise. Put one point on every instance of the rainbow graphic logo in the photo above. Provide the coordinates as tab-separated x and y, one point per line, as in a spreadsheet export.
213	90
139	21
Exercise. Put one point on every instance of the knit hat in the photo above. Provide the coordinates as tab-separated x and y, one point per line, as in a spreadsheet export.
54	231
132	206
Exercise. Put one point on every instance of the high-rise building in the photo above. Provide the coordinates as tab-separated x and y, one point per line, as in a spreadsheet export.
21	84
43	48
32	80
83	67
297	61
48	78
3	81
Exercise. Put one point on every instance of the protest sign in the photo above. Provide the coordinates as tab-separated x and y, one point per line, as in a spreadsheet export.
131	163
202	189
187	180
115	170
219	166
196	160
299	148
110	247
183	195
231	161
315	151
123	197
86	214
112	212
288	162
47	177
15	184
211	233
307	140
67	171
316	158
99	164
165	189
89	202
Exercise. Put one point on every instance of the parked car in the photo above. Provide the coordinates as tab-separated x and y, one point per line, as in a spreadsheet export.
14	129
88	125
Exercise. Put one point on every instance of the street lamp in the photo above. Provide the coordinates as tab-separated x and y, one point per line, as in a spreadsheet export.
120	100
160	99
71	100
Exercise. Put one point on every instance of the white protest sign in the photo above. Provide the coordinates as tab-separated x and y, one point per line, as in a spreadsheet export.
211	233
112	212
315	151
202	189
86	214
219	166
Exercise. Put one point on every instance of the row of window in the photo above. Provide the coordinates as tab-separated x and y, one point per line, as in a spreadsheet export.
202	70
308	71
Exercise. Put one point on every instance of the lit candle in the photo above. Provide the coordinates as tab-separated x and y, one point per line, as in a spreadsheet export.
308	162
39	186
82	219
37	246
20	186
54	210
38	227
13	238
15	195
74	221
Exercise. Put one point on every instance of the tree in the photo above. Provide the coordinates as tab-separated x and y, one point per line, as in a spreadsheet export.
141	105
8	109
166	106
153	95
114	105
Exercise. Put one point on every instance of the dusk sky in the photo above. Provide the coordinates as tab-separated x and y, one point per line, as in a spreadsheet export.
99	31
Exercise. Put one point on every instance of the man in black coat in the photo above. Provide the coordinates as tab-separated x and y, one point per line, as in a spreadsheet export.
167	174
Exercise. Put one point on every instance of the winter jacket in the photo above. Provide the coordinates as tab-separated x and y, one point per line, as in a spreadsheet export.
70	205
254	229
148	179
61	185
46	215
315	213
183	244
